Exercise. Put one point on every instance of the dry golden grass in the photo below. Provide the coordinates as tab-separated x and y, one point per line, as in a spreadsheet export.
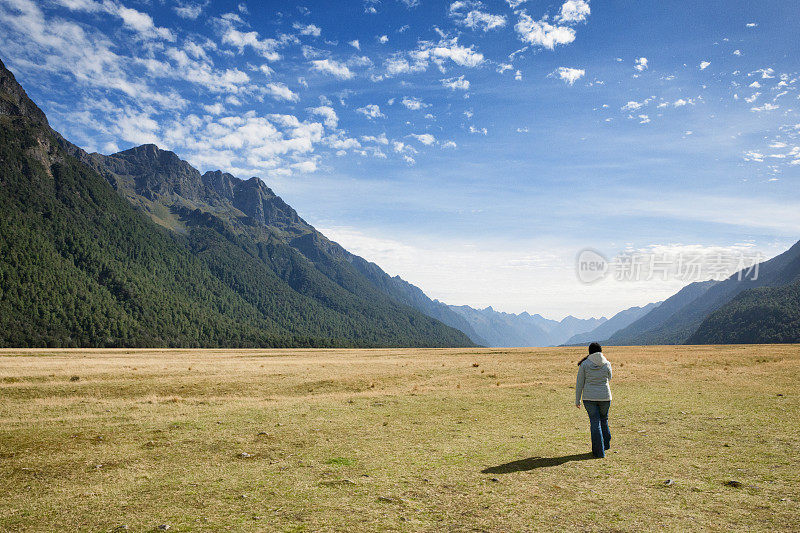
357	440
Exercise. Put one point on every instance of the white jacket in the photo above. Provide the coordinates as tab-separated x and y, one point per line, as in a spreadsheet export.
593	377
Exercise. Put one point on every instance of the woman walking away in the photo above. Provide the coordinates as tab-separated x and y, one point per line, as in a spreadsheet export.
594	373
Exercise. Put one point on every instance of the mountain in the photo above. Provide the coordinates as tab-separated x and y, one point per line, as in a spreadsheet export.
678	320
617	322
755	316
411	295
140	249
560	331
165	187
509	330
646	329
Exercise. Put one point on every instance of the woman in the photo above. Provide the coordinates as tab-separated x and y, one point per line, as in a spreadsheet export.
594	373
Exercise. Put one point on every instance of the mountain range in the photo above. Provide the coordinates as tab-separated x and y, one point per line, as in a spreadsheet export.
139	248
742	308
617	322
508	329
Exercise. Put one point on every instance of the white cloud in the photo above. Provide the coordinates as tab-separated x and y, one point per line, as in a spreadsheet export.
644	119
275	145
569	75
765	107
737	52
704	65
632	105
460	55
456	83
542	33
138	21
214	109
280	91
475	18
267	48
200	72
574	11
330	119
189	11
399	65
766	73
334	68
110	148
379	139
307	29
383	39
452	144
482	131
518	76
62	47
751	24
305	167
340	142
413	103
640	64
371	111
425	138
418	59
355	44
403	148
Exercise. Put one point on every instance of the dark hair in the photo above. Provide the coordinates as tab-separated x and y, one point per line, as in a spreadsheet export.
593	347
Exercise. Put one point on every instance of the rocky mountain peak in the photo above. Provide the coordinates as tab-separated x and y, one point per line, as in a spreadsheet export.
221	183
14	100
157	173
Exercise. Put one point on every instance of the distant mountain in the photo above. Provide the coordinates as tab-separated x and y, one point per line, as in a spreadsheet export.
404	292
646	329
568	327
678	320
140	249
760	315
508	330
617	322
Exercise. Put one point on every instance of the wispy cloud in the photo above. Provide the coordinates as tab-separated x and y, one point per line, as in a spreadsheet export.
569	75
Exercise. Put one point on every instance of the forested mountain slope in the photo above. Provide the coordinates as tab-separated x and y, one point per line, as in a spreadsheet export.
81	264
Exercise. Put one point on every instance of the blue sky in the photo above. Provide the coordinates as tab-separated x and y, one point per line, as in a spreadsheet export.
471	147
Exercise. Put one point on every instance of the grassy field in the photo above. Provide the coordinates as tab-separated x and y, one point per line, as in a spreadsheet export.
407	440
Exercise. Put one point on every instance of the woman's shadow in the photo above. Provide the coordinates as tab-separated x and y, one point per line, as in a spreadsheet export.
532	463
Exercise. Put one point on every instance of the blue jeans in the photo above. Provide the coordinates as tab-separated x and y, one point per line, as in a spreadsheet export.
598	424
